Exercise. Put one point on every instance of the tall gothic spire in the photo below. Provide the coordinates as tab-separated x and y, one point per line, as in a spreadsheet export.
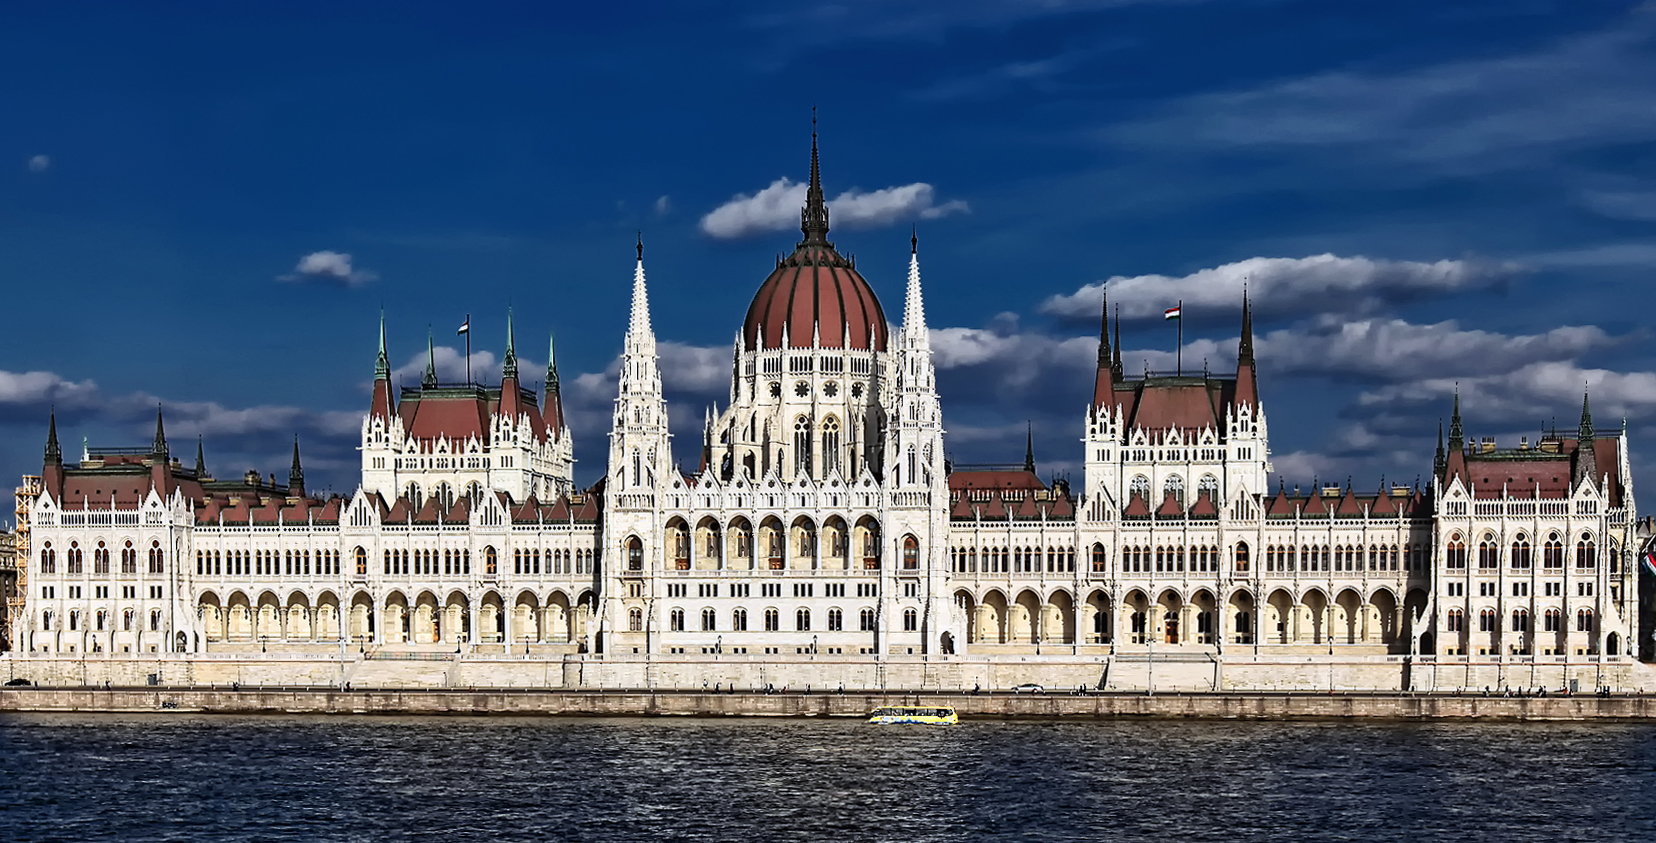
1457	436
382	363
1439	461
201	460
1586	467
813	219
54	454
510	368
914	308
1029	447
1115	362
296	473
429	379
1104	356
1245	350
552	386
159	446
639	322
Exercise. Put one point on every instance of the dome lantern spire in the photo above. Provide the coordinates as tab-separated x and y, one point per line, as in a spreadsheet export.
813	219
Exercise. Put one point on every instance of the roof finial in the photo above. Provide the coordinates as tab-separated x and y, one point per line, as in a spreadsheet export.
813	219
1245	350
509	369
159	446
640	246
1584	433
1104	356
382	363
1029	446
1457	436
429	379
296	474
551	365
54	454
914	241
201	459
1115	362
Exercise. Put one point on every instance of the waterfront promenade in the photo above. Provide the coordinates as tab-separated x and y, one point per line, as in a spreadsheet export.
456	701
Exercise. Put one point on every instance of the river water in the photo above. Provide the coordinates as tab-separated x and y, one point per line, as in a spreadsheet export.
207	777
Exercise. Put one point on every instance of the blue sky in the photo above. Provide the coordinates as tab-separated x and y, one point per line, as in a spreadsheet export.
207	205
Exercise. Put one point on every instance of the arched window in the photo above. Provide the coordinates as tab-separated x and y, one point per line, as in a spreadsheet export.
865	620
635	620
1551	621
911	552
157	558
1209	486
635	554
1488	555
1455	554
675	620
129	558
1175	486
709	620
412	493
155	620
911	620
1241	557
100	559
1454	620
1098	558
1584	620
830	445
1552	553
1140	487
802	620
773	620
1521	552
126	620
1586	554
836	620
738	620
1486	620
48	559
361	557
1520	620
491	561
802	446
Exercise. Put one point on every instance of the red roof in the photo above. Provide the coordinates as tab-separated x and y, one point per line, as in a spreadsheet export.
815	290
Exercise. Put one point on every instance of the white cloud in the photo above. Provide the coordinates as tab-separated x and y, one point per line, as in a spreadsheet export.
1622	205
1469	115
40	163
451	366
329	267
777	207
663	206
1284	286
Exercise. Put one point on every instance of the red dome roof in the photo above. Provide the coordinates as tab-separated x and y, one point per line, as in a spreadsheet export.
815	290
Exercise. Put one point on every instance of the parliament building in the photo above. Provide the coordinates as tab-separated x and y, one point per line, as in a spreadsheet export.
823	522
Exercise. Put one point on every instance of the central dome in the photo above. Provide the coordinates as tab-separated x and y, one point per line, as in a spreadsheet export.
815	293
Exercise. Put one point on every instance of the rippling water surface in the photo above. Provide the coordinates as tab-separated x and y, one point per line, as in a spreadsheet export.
185	777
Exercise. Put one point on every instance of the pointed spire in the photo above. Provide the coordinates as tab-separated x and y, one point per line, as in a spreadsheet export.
1584	433
1245	349
54	454
813	219
1104	357
159	446
1029	446
1457	436
429	379
552	386
296	474
1115	362
639	323
382	363
914	308
509	369
1586	467
1439	461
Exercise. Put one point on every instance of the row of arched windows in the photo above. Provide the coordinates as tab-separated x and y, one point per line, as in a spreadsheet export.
1552	621
426	562
264	563
100	620
558	561
992	560
1519	552
835	617
75	558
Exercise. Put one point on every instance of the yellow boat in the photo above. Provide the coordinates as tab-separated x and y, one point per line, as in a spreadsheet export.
928	715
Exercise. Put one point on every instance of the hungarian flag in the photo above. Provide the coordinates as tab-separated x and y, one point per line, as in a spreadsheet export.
1171	313
465	327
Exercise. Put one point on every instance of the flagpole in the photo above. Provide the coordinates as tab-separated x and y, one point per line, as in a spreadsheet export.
468	350
1178	350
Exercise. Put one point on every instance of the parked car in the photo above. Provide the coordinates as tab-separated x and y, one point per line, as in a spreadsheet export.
18	682
1028	688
